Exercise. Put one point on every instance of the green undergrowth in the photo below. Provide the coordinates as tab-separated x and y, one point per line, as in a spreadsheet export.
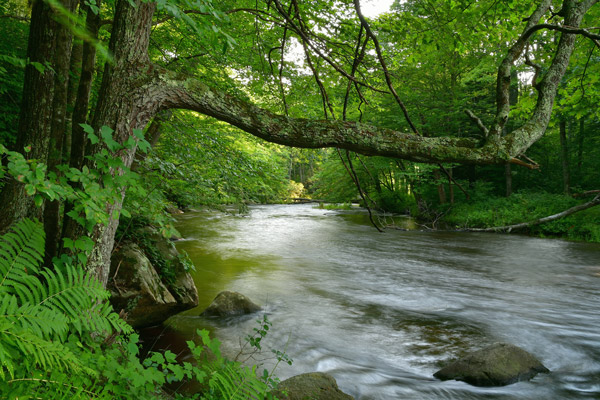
60	339
524	207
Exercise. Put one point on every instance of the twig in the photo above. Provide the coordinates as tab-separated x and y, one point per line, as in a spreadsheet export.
383	64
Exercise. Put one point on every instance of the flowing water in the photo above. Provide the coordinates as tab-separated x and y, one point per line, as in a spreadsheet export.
382	312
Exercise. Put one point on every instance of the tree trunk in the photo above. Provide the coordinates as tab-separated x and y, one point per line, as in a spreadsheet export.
564	155
125	103
440	186
61	65
508	179
35	116
509	228
580	140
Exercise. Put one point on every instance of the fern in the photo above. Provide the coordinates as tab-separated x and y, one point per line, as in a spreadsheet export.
40	307
233	381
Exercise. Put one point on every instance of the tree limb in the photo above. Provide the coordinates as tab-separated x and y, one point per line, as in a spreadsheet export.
478	122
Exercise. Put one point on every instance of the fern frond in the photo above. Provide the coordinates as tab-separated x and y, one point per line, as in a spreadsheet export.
16	344
233	381
21	251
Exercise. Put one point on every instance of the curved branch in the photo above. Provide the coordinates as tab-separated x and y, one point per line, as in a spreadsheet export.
503	79
478	122
534	128
172	90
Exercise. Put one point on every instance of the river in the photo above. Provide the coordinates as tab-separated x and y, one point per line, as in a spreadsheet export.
381	312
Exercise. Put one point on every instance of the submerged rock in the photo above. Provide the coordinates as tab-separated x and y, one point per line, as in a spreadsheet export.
496	365
229	304
311	386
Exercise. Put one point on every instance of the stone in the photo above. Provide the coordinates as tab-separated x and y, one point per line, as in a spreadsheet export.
136	288
139	289
230	304
182	287
310	386
497	365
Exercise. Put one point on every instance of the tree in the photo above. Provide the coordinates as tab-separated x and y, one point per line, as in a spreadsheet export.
134	89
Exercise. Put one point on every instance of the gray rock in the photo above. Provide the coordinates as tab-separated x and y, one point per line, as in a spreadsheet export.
311	386
136	288
182	287
229	304
496	365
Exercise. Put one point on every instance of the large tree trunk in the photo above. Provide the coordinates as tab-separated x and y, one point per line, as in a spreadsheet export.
58	126
125	103
35	116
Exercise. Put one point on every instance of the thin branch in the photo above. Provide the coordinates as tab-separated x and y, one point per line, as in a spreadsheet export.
477	121
300	32
536	67
569	29
451	179
516	161
388	80
587	193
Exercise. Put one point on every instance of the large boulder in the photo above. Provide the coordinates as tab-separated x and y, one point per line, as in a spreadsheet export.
151	281
181	284
230	304
136	288
311	386
496	365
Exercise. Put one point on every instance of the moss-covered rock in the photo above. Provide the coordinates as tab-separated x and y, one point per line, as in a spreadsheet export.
177	279
496	365
150	280
136	287
229	304
311	386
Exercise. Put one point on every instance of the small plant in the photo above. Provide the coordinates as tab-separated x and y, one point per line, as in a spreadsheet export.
255	342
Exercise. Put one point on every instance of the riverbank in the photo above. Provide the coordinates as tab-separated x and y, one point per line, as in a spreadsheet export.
524	207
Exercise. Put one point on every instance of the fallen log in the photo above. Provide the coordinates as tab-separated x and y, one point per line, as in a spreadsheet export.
570	211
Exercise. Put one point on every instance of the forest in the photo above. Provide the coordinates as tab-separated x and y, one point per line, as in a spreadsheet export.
116	114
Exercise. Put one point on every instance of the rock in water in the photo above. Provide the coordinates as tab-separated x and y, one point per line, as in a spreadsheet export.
229	304
311	386
496	365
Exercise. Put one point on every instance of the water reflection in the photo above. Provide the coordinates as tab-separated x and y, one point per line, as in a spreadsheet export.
382	312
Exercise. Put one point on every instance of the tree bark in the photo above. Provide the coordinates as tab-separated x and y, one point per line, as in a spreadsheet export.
58	126
564	155
35	116
508	179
